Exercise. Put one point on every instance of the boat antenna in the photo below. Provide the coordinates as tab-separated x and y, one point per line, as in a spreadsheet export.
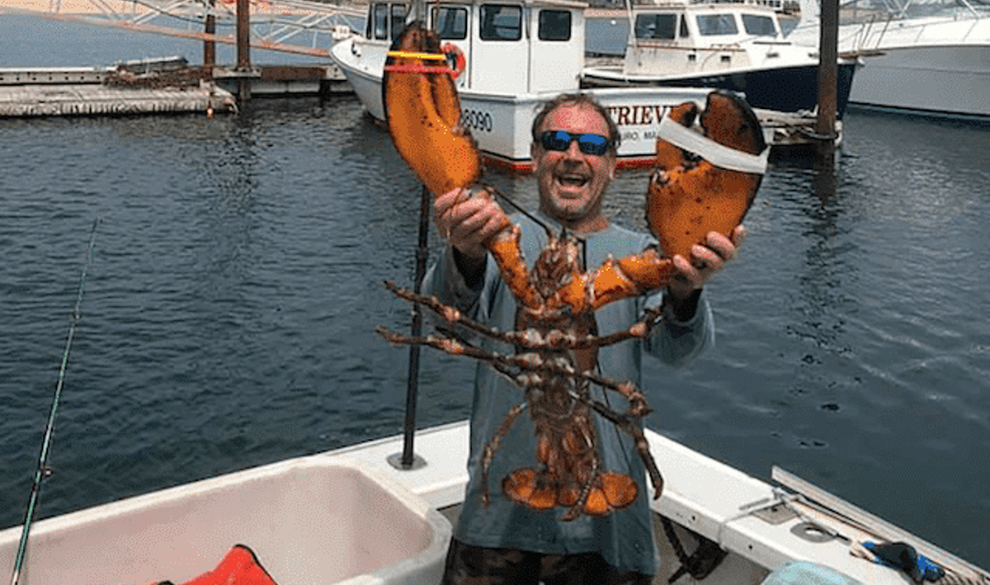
43	470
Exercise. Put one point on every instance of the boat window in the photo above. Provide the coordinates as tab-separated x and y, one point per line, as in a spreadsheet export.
398	19
717	24
761	26
381	22
501	22
684	28
451	22
555	25
656	26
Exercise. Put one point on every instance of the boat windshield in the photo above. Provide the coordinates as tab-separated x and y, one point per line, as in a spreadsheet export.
759	25
451	22
501	22
386	21
656	26
710	25
555	25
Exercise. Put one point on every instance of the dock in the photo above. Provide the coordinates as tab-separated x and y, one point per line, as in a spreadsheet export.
791	134
155	86
286	80
165	86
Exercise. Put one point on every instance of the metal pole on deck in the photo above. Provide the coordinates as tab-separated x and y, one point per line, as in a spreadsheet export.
827	75
408	459
244	49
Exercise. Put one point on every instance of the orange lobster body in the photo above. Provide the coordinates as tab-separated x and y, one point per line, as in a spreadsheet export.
555	338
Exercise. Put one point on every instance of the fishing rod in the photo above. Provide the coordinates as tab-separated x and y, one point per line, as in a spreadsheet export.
43	470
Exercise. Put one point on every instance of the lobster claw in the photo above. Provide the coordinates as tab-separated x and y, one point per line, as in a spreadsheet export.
706	182
423	112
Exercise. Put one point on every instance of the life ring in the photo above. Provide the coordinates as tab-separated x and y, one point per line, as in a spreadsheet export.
454	58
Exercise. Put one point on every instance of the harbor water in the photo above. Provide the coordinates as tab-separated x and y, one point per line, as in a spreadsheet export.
228	312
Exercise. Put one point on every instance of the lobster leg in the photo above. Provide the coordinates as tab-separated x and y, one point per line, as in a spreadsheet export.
529	339
489	452
627	423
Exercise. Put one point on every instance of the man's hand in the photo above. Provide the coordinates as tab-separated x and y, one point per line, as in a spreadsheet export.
705	261
468	221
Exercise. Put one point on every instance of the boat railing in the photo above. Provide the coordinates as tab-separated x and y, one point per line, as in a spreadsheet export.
871	32
774	4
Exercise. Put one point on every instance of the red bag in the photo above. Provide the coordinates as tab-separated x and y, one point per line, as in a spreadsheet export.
238	567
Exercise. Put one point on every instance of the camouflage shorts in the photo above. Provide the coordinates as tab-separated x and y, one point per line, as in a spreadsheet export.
474	565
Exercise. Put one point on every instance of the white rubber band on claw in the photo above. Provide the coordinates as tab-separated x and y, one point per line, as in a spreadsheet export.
718	154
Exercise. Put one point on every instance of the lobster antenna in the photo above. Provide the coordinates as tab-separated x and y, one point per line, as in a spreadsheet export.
43	470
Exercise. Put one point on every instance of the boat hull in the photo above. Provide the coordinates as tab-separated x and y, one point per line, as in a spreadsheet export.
936	65
783	89
944	80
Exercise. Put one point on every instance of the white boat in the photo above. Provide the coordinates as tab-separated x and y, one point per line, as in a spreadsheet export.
920	56
350	516
736	46
517	54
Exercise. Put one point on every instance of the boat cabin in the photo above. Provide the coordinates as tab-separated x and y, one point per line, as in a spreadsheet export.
509	46
681	38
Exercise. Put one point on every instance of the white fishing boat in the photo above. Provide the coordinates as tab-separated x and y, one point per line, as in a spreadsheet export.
738	46
921	56
516	54
354	516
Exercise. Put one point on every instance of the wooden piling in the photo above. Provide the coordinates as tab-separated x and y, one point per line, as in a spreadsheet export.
827	76
244	49
210	44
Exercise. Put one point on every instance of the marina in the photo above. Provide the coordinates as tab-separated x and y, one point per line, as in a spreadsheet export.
227	329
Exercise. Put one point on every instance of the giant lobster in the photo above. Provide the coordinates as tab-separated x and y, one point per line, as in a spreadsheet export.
688	197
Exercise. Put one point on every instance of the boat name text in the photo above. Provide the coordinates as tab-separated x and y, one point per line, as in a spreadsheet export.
637	115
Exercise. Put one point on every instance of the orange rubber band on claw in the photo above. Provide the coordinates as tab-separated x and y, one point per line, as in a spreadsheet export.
418	68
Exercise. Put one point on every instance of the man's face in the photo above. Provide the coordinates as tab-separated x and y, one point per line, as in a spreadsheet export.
571	182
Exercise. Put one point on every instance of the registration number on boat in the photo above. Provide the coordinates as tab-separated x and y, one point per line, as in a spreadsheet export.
476	120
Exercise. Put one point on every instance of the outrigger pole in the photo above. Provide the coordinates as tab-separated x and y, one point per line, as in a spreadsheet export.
43	470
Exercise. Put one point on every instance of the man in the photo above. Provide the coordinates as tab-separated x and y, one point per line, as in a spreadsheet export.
573	151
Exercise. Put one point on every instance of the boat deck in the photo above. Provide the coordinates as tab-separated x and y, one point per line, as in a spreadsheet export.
742	514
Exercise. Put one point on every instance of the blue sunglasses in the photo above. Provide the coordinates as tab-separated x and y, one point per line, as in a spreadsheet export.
560	140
